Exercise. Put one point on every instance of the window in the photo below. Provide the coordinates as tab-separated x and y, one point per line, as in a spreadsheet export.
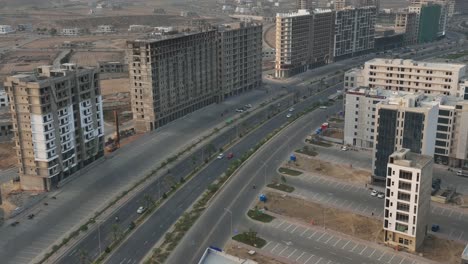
404	196
407	175
404	186
402	206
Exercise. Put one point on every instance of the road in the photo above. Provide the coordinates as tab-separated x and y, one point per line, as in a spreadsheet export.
143	239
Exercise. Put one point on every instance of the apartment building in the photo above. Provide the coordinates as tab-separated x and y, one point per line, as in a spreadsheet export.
240	63
407	201
112	67
304	40
172	76
339	4
414	76
304	4
403	122
407	22
72	31
353	78
6	29
354	31
105	29
6	133
57	122
4	100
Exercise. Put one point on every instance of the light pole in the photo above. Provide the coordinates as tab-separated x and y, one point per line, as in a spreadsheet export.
230	213
264	165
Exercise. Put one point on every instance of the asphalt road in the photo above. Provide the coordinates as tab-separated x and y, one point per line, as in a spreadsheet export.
213	227
145	237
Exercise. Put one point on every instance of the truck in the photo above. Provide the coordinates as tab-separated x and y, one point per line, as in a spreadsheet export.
462	173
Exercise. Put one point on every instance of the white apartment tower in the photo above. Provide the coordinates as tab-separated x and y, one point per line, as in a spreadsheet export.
57	123
414	76
407	201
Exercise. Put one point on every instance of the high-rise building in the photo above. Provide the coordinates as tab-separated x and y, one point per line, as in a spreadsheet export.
304	39
354	31
176	74
414	76
240	63
304	4
402	122
429	23
407	22
171	77
407	199
461	7
57	122
339	4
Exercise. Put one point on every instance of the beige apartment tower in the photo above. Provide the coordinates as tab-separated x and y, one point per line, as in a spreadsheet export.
407	199
304	4
57	122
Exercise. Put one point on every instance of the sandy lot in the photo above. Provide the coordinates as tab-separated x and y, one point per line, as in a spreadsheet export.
91	58
241	251
25	60
343	172
365	228
102	41
338	134
7	155
113	86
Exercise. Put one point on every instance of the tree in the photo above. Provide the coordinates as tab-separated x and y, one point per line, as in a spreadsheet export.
149	200
116	232
84	256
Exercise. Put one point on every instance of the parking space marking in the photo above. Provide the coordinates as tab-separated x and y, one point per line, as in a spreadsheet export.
381	256
294	229
461	234
282	251
435	208
321	236
451	212
403	259
303	255
460	216
312	235
381	213
354	247
320	259
279	224
287	227
337	242
292	253
346	244
269	242
304	232
365	209
308	259
363	250
370	256
329	239
443	211
349	205
391	258
451	233
273	249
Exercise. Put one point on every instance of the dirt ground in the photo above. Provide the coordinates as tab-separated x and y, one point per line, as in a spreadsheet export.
365	228
114	86
338	134
343	172
101	41
91	58
238	251
7	155
25	60
338	220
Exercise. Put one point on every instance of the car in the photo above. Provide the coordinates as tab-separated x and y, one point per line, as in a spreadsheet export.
374	193
220	156
248	106
230	155
435	228
344	148
291	109
381	195
239	110
323	107
288	115
141	210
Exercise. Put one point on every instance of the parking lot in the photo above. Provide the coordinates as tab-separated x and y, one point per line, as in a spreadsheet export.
315	245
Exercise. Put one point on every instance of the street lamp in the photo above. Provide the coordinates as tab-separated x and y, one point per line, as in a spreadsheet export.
230	213
264	165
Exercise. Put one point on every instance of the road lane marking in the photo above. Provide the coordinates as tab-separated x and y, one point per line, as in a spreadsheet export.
308	259
304	232
363	250
321	236
300	256
352	250
346	244
283	251
312	235
320	259
391	258
294	229
273	249
336	242
329	239
292	253
372	253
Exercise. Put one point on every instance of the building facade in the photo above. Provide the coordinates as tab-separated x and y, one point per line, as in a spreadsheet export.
304	4
407	201
6	29
414	76
304	40
402	122
240	63
429	23
407	22
112	67
354	31
57	123
105	29
72	31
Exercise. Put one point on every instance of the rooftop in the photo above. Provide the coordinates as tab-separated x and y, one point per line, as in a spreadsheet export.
212	256
413	63
404	157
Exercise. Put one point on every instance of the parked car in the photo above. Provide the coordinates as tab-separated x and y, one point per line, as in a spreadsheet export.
374	193
344	148
220	156
288	115
248	106
239	110
291	109
435	228
323	107
141	210
381	195
462	173
230	155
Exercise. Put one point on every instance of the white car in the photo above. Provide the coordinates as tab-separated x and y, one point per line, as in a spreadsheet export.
291	109
344	148
381	195
323	107
288	115
374	193
220	156
141	210
238	110
248	106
